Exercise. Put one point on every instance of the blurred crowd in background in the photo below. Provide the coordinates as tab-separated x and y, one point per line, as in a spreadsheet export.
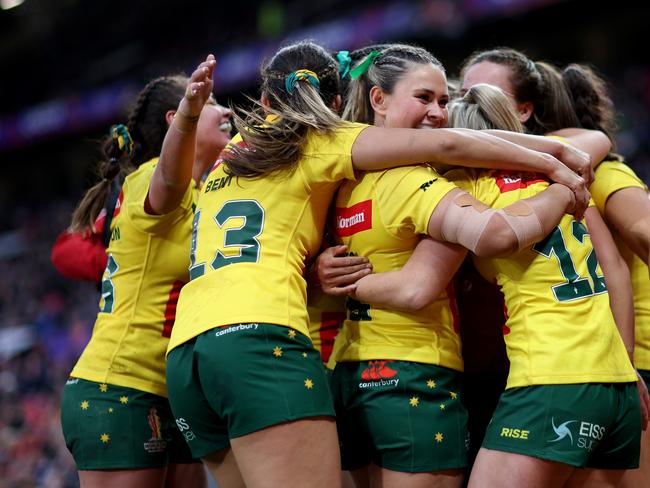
45	320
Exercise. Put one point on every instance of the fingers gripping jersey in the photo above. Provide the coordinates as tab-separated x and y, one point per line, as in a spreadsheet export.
382	217
251	237
561	326
147	266
612	176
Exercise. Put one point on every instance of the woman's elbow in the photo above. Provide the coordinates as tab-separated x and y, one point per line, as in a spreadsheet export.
417	296
501	242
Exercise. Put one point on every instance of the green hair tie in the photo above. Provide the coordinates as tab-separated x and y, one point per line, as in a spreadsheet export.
301	75
363	67
345	63
120	134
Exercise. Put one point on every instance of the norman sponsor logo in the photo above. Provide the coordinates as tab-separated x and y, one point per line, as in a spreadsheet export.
511	181
354	219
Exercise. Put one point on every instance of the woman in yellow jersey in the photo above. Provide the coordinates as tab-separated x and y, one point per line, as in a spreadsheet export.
622	199
115	414
405	363
241	370
557	305
530	88
571	398
545	110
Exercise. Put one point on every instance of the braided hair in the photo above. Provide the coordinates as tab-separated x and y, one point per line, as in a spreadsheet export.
146	127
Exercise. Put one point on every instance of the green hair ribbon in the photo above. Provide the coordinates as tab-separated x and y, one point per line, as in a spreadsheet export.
363	67
121	135
301	75
345	63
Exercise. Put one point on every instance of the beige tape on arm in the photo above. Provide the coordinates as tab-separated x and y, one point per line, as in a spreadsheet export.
465	222
524	222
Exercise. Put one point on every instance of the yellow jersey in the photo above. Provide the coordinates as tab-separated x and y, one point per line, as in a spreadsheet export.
612	176
561	328
252	236
147	266
382	216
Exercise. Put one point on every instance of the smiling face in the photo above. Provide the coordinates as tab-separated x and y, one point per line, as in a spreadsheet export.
418	101
213	131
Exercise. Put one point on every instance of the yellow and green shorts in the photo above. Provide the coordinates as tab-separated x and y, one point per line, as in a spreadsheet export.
234	380
645	374
400	415
593	425
114	427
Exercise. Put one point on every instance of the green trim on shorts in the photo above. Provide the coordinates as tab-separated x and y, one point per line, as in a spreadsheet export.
114	427
234	380
593	425
400	415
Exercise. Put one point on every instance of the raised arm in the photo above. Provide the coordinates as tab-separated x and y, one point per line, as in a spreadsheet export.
378	148
422	279
628	211
488	232
174	169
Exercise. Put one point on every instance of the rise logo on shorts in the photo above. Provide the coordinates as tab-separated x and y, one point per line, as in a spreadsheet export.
156	443
514	433
582	434
378	374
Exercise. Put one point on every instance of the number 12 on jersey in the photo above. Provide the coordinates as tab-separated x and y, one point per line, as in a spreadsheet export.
242	239
576	286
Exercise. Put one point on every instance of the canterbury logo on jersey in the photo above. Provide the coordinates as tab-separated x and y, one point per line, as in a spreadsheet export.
510	181
354	219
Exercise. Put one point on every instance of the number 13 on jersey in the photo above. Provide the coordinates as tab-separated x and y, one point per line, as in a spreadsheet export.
238	223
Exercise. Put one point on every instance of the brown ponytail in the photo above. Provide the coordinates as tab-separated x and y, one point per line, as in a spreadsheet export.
276	146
